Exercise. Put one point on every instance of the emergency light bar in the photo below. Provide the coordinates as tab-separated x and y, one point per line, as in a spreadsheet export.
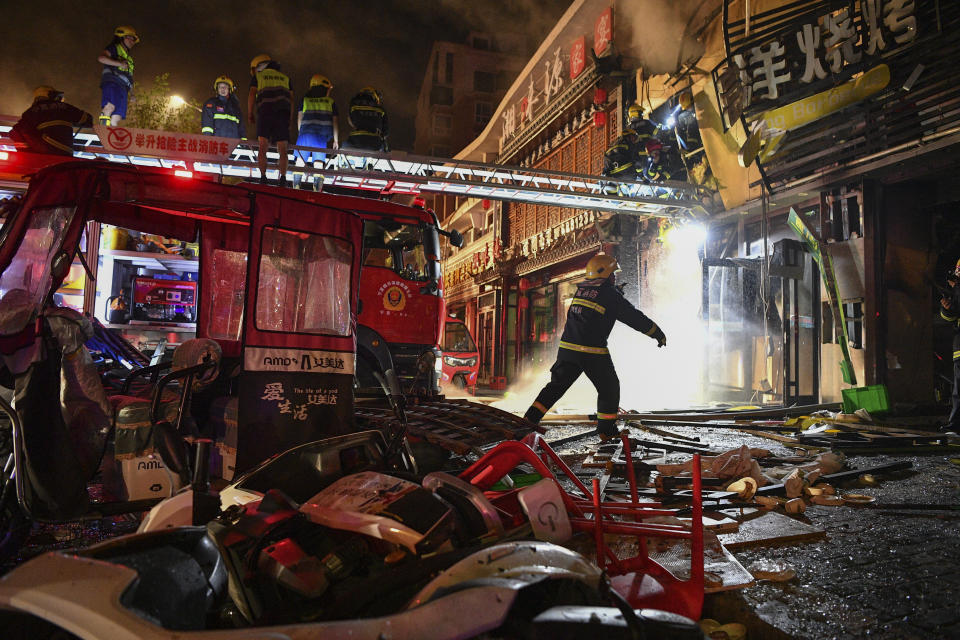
404	173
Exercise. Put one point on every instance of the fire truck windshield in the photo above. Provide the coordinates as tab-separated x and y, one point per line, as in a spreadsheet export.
399	247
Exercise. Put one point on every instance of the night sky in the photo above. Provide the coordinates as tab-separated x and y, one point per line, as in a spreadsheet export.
381	43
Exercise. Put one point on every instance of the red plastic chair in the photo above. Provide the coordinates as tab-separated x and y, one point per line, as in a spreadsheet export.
642	581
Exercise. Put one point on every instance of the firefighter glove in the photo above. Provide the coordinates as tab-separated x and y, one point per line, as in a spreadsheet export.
661	340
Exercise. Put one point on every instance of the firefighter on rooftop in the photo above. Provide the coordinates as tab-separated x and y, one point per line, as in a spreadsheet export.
596	306
47	126
270	106
221	114
116	79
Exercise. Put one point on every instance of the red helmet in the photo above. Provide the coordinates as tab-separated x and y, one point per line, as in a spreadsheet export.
654	145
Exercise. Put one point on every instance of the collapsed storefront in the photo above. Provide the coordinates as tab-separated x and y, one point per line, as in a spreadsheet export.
844	111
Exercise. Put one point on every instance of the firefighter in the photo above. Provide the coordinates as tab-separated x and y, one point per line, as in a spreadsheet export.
47	126
689	141
596	306
369	121
116	79
270	107
655	169
317	124
221	113
950	311
623	159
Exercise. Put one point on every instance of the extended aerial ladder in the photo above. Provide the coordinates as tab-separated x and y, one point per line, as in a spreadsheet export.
403	173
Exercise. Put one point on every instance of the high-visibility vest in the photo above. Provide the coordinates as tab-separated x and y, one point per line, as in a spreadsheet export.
272	86
317	110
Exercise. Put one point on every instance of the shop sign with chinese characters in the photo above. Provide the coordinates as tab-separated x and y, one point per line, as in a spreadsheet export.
477	263
165	144
544	86
831	44
549	237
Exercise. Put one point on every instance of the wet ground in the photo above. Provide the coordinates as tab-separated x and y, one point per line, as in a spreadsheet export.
890	573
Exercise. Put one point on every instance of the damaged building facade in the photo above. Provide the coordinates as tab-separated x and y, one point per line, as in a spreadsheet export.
843	113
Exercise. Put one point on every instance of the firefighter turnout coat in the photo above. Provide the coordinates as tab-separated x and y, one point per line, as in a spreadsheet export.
595	308
221	117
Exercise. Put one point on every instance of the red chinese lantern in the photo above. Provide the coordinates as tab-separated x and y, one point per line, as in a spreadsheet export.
599	96
600	119
486	203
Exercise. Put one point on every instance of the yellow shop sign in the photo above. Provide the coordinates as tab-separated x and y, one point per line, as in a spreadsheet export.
777	122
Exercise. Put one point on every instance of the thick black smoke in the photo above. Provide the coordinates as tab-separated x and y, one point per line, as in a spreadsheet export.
385	44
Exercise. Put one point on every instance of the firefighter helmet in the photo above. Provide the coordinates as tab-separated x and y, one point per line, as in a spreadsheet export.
373	92
601	267
124	31
320	80
256	62
685	101
634	112
225	79
45	92
654	144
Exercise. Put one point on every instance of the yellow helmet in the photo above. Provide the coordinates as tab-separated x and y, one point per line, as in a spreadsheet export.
260	59
634	112
124	31
46	92
601	266
225	79
323	81
956	269
374	92
686	100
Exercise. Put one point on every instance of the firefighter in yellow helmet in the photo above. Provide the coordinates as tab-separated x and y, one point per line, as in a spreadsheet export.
595	308
369	121
47	126
270	106
950	311
116	79
317	124
221	114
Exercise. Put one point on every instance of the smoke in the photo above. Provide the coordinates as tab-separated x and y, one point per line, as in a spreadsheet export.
650	378
382	44
658	34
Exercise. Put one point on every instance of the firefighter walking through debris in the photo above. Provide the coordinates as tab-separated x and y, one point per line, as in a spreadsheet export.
596	307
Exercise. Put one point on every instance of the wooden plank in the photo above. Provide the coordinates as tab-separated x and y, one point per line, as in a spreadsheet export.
770	528
732	574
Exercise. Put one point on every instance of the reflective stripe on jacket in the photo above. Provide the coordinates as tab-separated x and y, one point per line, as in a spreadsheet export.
595	308
115	73
318	110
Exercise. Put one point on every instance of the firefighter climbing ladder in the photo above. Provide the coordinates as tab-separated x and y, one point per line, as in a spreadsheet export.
399	172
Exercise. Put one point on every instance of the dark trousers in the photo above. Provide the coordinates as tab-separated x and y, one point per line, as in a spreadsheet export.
954	419
565	371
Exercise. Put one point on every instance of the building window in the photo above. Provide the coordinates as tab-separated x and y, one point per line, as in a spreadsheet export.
481	43
449	70
441	124
440	151
482	112
483	81
441	95
436	68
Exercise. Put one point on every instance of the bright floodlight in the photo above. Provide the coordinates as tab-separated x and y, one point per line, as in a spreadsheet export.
687	235
177	101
